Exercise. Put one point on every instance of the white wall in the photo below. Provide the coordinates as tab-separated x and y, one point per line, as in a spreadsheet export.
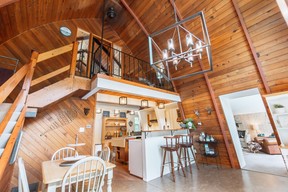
247	105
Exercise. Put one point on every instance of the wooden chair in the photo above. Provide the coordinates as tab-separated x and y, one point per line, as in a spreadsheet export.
104	153
186	144
23	185
172	145
64	152
85	175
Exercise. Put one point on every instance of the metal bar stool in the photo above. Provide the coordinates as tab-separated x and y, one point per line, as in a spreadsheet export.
172	145
186	143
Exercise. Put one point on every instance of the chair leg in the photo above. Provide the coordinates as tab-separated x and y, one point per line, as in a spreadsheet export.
180	149
194	156
181	164
185	156
189	160
172	164
163	164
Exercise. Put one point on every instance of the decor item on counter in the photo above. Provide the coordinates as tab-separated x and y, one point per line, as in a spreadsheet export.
123	114
106	113
122	100
278	108
108	135
180	49
130	123
86	111
161	105
144	103
98	111
202	136
189	124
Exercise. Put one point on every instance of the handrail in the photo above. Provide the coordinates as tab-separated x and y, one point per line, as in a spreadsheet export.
12	82
9	114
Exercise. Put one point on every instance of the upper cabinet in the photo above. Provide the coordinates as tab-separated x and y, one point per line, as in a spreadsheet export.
278	105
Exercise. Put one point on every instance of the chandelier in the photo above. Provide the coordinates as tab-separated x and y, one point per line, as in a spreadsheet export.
181	48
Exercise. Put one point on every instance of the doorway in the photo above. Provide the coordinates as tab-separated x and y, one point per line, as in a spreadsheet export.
252	135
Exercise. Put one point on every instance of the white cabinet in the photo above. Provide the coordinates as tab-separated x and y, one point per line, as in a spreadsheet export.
280	119
135	157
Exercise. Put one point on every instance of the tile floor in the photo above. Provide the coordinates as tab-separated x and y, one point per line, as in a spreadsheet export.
206	179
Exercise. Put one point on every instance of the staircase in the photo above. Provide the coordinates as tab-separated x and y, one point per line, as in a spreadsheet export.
5	136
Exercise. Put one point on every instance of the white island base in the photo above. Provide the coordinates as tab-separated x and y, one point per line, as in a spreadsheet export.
152	156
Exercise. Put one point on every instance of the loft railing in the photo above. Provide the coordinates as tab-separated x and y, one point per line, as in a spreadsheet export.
114	62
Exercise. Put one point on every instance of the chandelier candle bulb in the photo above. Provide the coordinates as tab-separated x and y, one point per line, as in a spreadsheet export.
170	45
189	40
165	54
199	48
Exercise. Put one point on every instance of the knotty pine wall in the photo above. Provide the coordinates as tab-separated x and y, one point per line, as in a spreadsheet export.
52	129
234	67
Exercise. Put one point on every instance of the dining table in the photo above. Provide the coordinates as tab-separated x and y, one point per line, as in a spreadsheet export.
53	174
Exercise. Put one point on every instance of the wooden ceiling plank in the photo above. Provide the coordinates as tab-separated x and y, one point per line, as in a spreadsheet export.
214	102
251	46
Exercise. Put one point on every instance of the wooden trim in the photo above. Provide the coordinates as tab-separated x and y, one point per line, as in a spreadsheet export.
10	144
74	58
251	46
54	52
9	114
275	94
135	84
50	75
12	82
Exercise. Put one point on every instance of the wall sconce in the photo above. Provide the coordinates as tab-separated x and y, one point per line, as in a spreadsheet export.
161	105
144	103
98	111
86	111
197	113
122	100
131	112
116	111
209	110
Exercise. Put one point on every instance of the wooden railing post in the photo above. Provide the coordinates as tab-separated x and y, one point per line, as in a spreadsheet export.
74	58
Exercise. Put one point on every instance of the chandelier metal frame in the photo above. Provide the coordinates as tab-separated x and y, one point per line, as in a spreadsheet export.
189	55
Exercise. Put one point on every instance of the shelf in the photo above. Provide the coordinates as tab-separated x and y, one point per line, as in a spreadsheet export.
210	155
115	125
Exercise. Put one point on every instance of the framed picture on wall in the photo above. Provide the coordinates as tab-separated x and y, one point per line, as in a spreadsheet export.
106	113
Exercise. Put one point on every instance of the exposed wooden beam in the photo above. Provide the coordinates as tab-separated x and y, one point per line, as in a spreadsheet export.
147	34
54	52
213	97
251	46
50	75
74	58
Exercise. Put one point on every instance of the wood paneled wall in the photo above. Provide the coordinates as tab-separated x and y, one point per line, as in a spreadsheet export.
51	130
